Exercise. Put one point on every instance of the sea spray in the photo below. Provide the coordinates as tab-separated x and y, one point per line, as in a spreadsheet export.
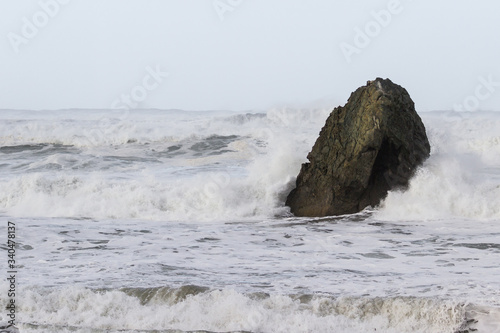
175	221
190	307
461	178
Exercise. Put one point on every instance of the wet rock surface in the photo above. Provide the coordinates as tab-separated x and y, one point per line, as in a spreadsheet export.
369	146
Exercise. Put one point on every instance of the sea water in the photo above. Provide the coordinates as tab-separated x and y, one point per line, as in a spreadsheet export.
174	221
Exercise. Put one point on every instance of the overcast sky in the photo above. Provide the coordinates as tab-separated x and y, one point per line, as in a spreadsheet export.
245	54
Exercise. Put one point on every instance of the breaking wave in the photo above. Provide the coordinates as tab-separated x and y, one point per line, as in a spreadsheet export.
174	165
188	308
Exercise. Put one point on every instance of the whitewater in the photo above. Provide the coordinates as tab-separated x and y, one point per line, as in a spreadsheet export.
174	221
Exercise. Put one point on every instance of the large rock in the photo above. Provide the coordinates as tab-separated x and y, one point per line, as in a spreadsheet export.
371	145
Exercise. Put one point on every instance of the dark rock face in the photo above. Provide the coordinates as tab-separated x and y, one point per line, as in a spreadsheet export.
371	145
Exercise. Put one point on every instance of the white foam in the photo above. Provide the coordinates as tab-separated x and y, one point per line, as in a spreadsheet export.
462	176
248	181
460	179
229	310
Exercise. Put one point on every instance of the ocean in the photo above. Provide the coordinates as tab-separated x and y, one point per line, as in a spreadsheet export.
174	221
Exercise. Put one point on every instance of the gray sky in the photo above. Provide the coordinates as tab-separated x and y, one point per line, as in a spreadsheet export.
245	54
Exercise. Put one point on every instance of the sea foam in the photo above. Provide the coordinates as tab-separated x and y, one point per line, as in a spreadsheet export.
198	166
462	176
190	308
